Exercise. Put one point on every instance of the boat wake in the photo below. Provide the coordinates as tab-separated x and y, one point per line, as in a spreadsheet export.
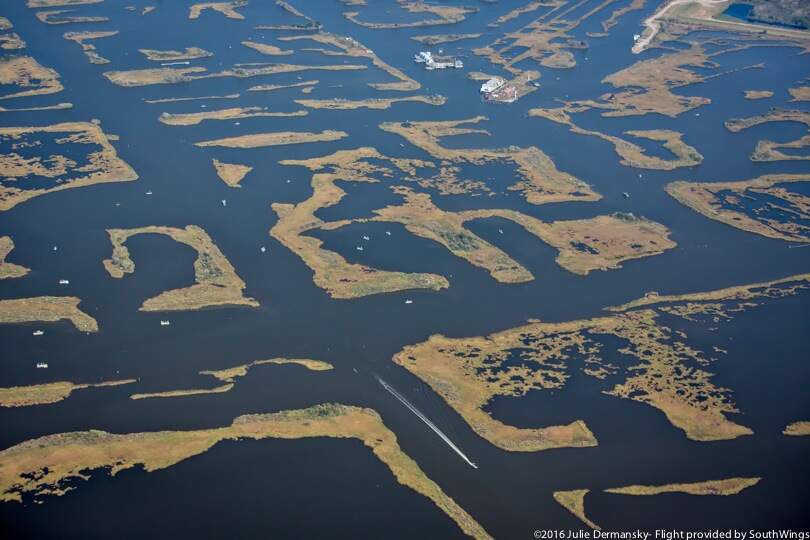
426	420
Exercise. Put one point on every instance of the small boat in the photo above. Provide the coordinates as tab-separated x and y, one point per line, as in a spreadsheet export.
42	365
224	202
409	301
263	249
359	248
148	192
627	195
38	332
366	238
165	323
64	282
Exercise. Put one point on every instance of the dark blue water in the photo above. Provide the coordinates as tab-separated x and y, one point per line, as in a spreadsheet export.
316	488
739	11
742	12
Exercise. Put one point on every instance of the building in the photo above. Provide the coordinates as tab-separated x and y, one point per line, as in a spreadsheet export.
432	62
491	85
506	93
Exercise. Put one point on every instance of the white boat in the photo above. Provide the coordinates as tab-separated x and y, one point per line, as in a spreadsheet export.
409	301
165	323
42	365
366	238
38	332
64	282
359	248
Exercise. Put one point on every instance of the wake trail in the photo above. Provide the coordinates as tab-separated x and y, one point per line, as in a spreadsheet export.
426	420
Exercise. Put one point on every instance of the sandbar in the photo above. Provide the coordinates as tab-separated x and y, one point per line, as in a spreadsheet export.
43	466
277	138
46	309
217	282
7	269
231	173
103	165
45	394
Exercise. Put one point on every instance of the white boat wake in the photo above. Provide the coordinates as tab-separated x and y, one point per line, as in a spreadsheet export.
425	419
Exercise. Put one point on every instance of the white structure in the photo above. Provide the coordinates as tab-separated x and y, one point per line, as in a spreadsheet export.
431	63
423	57
491	85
